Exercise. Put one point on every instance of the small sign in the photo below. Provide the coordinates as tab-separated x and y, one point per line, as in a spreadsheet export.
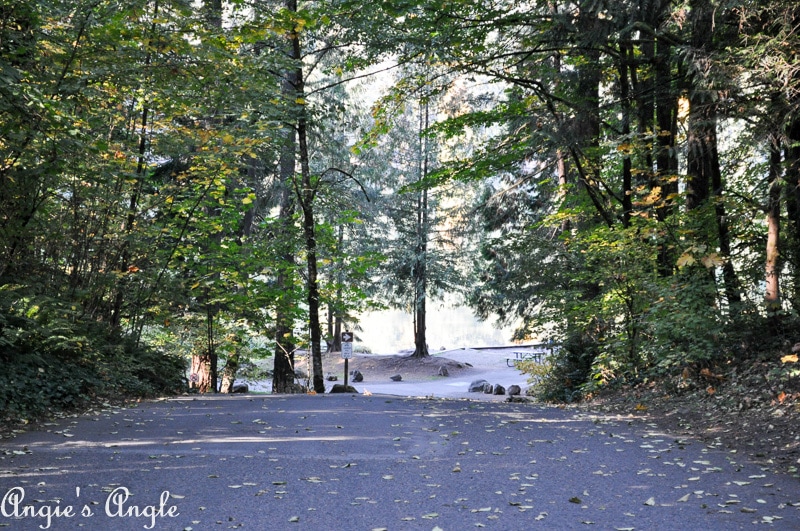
347	351
194	377
347	345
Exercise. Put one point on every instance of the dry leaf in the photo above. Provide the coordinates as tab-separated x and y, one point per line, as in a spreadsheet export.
686	259
791	358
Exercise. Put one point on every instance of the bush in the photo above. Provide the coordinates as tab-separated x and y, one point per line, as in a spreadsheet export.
55	361
563	374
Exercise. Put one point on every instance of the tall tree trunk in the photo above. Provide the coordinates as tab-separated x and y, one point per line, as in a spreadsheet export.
701	141
701	151
625	66
704	176
772	296
666	131
283	366
421	252
312	283
792	156
733	289
334	309
306	194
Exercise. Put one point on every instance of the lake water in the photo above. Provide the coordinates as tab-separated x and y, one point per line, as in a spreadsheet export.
448	327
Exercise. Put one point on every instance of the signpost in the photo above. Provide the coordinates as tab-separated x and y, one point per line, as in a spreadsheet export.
347	353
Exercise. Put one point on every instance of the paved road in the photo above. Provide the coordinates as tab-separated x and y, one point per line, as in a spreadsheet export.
361	463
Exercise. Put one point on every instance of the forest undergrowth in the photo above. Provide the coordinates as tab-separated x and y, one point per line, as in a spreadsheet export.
748	409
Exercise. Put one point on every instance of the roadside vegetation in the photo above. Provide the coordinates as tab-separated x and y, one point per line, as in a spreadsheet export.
187	186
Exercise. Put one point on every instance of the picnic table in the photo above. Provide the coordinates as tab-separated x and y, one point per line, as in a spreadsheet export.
535	353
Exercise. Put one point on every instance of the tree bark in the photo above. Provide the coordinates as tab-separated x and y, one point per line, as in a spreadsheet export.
283	364
772	297
624	67
306	194
704	176
666	130
701	138
792	156
420	262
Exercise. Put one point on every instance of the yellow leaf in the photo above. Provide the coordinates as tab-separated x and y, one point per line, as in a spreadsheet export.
791	358
640	407
686	259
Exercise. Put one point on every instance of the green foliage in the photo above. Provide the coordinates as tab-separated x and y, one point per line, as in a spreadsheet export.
562	376
142	142
56	360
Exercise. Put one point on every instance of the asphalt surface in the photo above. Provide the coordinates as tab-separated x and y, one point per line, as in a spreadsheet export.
377	462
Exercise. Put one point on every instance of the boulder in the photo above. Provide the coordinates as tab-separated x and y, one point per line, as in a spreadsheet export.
477	386
340	388
240	388
499	389
443	371
488	389
356	376
395	378
332	377
514	390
